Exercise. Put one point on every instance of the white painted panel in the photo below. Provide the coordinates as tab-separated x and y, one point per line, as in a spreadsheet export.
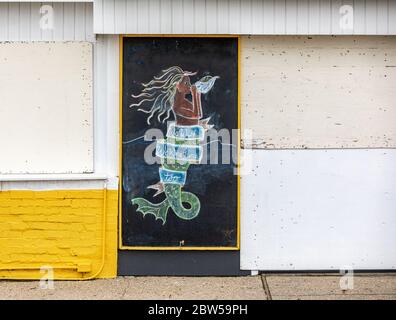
71	21
319	91
46	109
242	16
319	210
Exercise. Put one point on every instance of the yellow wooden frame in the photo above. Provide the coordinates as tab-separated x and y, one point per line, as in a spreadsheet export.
120	245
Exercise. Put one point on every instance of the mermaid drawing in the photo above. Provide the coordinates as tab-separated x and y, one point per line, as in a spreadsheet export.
164	95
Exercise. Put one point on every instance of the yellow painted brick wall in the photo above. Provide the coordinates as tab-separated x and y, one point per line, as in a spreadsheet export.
62	229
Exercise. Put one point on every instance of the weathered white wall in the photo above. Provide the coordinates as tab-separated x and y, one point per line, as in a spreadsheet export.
319	210
319	92
242	16
46	107
20	21
332	205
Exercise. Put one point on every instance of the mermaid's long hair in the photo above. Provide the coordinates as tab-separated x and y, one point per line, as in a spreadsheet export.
158	95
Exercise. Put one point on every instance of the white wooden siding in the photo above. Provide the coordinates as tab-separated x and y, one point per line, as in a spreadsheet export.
21	22
319	210
242	17
319	91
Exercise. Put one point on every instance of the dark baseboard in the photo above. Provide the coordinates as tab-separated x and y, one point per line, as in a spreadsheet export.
179	263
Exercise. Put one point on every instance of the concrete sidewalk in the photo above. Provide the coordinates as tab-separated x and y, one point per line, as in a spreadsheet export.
265	287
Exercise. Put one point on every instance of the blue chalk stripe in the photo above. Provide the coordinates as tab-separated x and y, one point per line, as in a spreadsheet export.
172	176
185	132
179	152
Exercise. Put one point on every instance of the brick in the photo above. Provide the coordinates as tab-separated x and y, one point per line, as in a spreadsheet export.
57	227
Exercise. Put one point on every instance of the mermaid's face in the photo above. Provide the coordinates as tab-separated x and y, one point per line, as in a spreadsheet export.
184	85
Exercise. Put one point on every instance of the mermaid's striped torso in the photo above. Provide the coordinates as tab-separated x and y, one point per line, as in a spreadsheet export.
181	148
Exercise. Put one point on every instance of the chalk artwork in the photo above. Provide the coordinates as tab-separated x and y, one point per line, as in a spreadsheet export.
166	96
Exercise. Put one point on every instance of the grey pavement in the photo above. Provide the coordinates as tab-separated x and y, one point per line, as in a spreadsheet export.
262	287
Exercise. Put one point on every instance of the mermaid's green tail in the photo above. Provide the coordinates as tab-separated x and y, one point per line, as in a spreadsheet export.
175	198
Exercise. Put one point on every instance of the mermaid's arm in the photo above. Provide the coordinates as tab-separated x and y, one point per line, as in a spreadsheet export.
196	101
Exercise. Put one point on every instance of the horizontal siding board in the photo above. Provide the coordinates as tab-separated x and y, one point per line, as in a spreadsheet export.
89	35
235	16
359	13
291	15
392	17
120	13
243	17
223	16
280	16
371	17
335	17
79	22
166	16
109	15
131	17
24	21
188	16
382	16
143	14
13	21
246	17
269	17
257	20
211	16
325	17
177	12
4	21
303	17
314	17
70	21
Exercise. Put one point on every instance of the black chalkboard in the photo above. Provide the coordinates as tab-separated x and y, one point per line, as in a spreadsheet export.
165	72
